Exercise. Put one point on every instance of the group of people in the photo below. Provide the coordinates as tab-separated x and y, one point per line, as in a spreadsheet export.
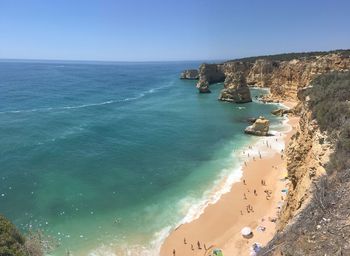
268	193
199	247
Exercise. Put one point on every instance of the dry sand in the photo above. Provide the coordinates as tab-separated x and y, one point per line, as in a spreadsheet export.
221	223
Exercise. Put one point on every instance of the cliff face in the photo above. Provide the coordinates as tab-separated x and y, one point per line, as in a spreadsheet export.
209	74
190	74
315	218
307	154
284	78
236	89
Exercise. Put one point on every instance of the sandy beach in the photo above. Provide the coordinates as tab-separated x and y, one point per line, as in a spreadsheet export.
220	224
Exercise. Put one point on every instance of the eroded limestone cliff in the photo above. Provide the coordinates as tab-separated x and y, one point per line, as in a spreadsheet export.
307	154
283	77
189	74
315	219
236	89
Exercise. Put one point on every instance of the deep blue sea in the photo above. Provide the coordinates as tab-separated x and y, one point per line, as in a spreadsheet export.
108	157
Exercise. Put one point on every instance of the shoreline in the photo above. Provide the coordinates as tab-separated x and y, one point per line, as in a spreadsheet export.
220	223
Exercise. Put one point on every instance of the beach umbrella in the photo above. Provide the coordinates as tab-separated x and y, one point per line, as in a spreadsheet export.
246	232
217	252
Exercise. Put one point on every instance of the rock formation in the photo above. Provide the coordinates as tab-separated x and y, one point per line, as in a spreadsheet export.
315	215
259	128
281	111
209	74
190	74
283	77
236	89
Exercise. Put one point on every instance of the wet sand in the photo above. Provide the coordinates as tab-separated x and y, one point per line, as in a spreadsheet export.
221	223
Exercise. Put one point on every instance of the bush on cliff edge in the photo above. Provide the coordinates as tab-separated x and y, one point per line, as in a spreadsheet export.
330	105
11	241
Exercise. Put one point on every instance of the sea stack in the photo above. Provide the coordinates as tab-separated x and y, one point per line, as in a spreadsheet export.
190	74
203	87
281	112
259	128
209	74
236	89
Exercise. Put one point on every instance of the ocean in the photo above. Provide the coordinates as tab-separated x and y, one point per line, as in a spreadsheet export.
106	158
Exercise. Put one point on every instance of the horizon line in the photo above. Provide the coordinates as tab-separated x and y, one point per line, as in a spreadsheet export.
170	60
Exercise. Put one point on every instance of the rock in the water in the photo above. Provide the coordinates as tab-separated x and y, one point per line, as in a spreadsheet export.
251	120
209	74
203	87
281	112
259	128
236	89
190	74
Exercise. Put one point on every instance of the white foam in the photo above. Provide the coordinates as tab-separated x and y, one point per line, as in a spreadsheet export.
194	208
141	95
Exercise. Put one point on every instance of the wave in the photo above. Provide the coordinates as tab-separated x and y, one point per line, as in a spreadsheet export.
141	95
195	207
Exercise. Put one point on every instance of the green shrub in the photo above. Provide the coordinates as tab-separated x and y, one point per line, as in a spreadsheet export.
11	241
330	105
293	55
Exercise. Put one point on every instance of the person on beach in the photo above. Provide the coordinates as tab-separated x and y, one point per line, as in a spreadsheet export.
244	182
255	193
192	248
185	242
174	252
205	247
199	245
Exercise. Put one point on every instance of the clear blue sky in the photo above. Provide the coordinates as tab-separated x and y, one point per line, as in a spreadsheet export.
141	30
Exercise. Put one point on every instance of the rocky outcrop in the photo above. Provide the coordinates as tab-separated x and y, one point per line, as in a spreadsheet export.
281	112
236	89
212	73
209	74
204	87
284	78
190	74
315	215
307	154
259	128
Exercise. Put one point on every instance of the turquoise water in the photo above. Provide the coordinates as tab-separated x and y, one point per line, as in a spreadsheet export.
111	155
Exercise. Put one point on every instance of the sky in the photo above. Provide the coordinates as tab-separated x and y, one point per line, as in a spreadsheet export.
162	30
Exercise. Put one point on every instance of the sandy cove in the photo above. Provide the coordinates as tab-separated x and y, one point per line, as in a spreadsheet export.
221	223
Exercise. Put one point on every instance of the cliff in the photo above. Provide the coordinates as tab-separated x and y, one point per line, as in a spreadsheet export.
209	74
284	76
315	218
236	89
190	74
